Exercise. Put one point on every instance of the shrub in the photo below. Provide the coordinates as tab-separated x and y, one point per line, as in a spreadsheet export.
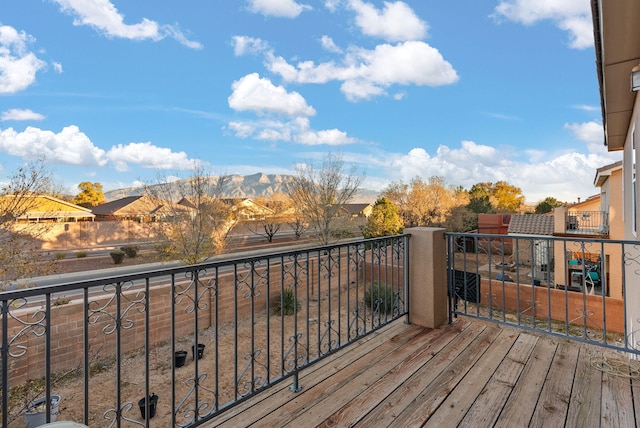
81	254
117	256
381	297
286	304
130	250
60	255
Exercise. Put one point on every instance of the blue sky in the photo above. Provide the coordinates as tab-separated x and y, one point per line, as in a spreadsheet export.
116	92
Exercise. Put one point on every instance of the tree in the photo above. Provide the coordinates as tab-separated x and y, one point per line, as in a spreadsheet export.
385	220
195	222
319	194
547	205
269	225
20	255
499	197
424	203
480	198
508	198
90	195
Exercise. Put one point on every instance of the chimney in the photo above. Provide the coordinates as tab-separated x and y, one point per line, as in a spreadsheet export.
578	199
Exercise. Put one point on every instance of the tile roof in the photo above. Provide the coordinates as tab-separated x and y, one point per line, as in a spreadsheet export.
531	224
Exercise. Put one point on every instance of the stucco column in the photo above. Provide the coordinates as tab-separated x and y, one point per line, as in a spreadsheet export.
428	305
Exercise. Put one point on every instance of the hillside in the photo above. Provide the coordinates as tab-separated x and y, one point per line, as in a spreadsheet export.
247	186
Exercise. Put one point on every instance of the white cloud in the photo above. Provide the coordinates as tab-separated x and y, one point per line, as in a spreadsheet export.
244	45
396	22
18	66
57	67
277	8
147	155
573	16
566	176
331	137
105	17
331	5
20	114
70	146
296	130
590	132
367	73
252	93
586	107
329	45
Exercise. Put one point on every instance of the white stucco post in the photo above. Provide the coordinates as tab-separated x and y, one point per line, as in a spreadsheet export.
428	303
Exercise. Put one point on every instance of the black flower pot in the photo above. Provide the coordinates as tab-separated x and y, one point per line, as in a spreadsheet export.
200	350
153	402
180	358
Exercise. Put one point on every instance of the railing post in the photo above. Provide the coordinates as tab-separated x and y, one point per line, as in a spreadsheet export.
428	303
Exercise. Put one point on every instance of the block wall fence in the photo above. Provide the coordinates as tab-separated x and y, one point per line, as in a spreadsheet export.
67	320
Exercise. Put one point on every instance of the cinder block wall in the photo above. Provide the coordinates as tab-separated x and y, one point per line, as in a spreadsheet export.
67	321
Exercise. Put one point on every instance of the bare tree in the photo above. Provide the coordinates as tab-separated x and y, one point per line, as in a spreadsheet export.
320	194
20	255
195	221
279	214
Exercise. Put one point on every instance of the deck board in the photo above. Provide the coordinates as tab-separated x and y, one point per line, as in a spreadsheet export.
585	404
553	403
469	373
486	409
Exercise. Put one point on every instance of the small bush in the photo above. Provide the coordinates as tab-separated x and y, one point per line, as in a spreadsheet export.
130	250
60	255
61	301
117	256
286	303
81	254
381	297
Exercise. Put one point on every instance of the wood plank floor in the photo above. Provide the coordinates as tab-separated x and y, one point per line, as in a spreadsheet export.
468	374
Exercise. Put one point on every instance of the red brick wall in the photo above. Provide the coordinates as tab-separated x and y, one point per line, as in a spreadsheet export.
560	302
67	322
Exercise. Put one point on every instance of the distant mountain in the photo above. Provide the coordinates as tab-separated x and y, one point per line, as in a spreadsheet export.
247	186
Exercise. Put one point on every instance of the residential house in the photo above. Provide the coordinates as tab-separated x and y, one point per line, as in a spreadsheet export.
357	210
45	208
248	209
139	208
617	47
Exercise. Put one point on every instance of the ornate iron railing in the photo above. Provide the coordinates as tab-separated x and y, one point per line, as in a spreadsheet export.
113	348
587	223
583	289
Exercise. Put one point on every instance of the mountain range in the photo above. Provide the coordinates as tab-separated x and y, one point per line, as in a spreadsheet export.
239	186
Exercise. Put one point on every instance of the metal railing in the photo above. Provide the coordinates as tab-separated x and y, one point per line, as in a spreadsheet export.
587	223
562	286
114	348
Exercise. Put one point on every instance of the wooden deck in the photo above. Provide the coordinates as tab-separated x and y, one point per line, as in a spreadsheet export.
469	374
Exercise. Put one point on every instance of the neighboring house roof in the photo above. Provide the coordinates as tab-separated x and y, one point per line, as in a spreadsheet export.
356	209
603	173
531	224
591	202
136	206
49	207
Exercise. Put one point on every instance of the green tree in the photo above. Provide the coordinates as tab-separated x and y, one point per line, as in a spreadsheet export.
480	198
320	193
385	220
90	195
547	205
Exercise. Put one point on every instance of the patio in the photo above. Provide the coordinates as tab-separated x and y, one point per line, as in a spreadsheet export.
469	373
